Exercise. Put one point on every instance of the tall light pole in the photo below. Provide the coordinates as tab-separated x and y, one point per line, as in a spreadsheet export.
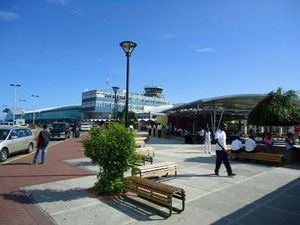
116	102
33	114
15	100
128	47
22	101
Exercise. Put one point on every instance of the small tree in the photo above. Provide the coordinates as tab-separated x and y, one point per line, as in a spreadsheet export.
113	150
277	109
132	117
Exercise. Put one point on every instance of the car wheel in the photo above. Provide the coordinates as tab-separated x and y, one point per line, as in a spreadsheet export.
30	148
3	154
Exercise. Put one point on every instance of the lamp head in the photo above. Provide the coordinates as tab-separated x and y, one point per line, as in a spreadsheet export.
115	89
128	47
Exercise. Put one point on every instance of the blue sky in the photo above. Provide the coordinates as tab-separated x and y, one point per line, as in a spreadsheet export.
194	48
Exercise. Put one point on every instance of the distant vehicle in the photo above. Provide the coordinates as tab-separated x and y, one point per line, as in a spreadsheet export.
15	139
85	126
6	123
60	130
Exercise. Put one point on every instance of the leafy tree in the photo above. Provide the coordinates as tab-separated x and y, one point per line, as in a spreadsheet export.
277	109
132	117
113	150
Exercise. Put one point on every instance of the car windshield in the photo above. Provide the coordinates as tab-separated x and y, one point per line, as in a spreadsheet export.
3	134
58	126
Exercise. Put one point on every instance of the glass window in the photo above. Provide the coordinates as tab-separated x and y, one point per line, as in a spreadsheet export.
3	134
13	133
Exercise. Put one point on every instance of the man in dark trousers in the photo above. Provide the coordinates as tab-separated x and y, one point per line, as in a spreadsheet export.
42	143
221	153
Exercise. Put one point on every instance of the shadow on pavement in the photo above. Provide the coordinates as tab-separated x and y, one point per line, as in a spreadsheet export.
280	207
51	175
199	159
136	209
19	164
156	140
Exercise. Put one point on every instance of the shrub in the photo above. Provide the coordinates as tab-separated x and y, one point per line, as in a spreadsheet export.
113	150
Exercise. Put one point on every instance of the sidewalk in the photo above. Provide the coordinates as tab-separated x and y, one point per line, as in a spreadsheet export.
15	207
259	194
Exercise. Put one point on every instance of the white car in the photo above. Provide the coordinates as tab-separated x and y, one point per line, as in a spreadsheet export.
85	126
15	139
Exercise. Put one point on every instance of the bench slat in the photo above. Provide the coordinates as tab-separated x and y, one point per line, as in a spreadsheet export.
262	156
155	192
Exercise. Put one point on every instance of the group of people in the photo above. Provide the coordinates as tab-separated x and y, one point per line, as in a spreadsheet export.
268	141
249	146
152	128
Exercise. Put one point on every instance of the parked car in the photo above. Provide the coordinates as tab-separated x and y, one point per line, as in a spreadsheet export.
60	130
85	126
15	139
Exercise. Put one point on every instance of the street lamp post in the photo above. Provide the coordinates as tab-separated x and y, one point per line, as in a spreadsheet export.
33	114
116	102
22	101
15	100
128	47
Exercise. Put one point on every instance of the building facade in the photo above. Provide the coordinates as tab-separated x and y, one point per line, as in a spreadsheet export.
95	105
100	104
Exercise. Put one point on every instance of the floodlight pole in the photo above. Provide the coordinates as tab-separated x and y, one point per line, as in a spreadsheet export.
33	114
15	100
128	47
115	89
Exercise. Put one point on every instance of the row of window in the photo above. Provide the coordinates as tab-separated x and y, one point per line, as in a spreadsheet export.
112	105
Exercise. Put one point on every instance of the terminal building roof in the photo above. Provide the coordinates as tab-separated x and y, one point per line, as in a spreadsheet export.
233	106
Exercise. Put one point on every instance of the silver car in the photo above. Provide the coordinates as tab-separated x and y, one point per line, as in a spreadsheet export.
15	139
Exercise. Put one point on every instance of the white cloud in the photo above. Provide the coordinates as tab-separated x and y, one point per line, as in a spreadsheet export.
205	50
198	48
78	12
166	36
8	16
60	2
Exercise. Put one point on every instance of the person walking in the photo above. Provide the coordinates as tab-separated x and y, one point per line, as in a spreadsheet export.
221	153
42	143
159	130
149	129
153	129
207	141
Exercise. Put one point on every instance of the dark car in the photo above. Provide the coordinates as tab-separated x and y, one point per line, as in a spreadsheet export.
60	131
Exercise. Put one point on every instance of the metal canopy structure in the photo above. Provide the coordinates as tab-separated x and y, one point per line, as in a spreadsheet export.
217	109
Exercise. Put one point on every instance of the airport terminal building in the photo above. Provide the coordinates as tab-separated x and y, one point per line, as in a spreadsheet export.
96	105
99	104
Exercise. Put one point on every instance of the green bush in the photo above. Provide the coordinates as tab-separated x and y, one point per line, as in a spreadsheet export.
113	150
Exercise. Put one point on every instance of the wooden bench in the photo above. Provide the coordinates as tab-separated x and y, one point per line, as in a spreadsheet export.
260	156
139	144
146	153
143	139
155	192
155	169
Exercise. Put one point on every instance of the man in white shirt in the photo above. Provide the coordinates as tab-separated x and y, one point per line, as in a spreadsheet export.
237	145
250	144
159	129
221	153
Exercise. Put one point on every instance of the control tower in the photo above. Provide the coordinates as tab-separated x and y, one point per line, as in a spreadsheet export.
153	91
